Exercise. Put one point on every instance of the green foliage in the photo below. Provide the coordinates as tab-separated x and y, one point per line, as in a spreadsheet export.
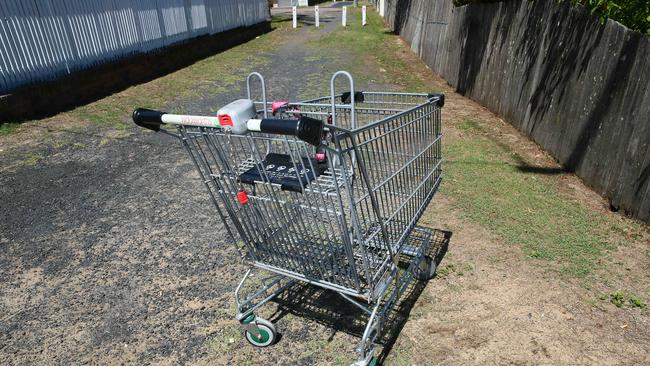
637	302
8	128
617	298
485	180
635	14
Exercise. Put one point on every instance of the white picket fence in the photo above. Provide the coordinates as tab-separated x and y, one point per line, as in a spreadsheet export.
43	39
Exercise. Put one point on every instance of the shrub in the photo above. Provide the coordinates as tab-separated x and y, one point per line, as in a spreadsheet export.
634	14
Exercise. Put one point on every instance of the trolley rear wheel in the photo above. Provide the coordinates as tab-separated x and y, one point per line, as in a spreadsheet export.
267	332
426	269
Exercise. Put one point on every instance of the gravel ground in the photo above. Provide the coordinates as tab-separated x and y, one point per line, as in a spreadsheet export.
111	253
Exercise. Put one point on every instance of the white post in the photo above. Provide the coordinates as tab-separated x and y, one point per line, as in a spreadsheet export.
382	5
295	17
317	16
363	15
344	18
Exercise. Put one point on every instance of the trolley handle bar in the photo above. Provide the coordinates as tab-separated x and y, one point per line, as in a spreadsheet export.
440	98
306	129
148	118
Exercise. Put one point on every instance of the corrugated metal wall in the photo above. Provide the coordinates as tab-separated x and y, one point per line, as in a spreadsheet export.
43	39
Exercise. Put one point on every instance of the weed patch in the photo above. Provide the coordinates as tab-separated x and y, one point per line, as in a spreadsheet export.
635	301
621	298
617	298
8	128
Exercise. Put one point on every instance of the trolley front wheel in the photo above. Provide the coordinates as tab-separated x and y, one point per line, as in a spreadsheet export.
267	334
426	269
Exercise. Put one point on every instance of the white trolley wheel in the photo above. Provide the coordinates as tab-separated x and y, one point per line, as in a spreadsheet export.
268	334
426	269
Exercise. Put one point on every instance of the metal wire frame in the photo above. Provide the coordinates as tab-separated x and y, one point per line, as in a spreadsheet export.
344	223
331	311
344	229
376	106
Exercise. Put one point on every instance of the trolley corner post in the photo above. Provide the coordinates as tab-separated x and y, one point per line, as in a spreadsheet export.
295	17
344	16
316	16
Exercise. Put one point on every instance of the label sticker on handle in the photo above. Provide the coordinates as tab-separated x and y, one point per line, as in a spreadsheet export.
200	121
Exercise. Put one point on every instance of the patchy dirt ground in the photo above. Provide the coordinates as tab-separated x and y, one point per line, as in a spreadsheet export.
110	253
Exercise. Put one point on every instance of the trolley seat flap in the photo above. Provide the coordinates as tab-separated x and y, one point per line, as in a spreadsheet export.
280	169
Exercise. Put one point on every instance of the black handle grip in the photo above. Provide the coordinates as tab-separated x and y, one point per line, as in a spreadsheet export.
346	98
440	96
148	118
307	129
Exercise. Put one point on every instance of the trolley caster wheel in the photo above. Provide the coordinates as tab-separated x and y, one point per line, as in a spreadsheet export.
426	269
372	362
267	332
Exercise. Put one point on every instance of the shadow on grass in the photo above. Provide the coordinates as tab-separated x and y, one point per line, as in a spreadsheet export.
301	19
524	168
341	4
331	310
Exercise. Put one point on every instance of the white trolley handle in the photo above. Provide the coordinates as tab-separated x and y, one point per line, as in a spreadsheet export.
305	128
333	98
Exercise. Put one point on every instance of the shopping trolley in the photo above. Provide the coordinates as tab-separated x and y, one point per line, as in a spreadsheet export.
327	191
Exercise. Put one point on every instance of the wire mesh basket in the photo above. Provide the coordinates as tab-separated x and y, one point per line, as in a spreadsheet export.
326	191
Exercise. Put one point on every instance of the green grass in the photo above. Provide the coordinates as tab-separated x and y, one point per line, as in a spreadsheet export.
374	41
450	268
524	209
8	128
28	159
219	73
482	174
281	21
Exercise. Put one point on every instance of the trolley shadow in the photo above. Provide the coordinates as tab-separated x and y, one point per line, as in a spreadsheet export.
329	309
